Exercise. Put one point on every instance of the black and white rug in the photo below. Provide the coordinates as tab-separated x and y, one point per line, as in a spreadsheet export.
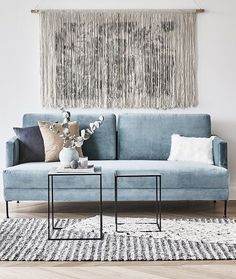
180	239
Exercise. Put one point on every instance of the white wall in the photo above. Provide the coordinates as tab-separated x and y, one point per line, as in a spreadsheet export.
19	62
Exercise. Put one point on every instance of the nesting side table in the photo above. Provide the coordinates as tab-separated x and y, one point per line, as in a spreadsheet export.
51	220
157	191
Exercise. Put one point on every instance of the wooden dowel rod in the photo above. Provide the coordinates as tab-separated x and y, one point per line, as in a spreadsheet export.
200	11
197	11
34	11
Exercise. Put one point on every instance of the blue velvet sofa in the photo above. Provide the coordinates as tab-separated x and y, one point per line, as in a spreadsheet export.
129	141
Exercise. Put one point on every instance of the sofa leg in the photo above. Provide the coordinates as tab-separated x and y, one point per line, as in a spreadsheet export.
7	209
225	209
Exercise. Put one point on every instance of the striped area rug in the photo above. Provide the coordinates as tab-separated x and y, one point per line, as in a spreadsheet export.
182	239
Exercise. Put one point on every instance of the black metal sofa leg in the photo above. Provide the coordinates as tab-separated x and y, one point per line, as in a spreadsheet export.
7	209
225	208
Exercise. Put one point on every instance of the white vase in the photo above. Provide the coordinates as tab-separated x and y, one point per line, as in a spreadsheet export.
67	154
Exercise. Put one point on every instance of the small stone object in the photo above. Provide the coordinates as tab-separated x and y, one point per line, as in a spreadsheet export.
74	164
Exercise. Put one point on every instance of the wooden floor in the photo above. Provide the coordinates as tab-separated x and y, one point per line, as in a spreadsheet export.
128	270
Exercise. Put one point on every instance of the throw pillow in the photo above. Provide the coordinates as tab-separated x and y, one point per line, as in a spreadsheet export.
191	149
53	144
31	144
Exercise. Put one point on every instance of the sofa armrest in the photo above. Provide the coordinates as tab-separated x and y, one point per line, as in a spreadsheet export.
220	152
12	152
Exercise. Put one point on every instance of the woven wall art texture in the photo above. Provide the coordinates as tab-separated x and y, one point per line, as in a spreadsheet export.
118	58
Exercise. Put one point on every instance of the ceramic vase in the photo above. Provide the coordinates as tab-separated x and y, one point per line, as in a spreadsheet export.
68	154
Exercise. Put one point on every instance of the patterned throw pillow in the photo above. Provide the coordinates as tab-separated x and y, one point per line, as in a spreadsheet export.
31	144
53	144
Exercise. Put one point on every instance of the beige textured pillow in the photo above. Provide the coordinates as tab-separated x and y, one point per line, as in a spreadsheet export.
53	144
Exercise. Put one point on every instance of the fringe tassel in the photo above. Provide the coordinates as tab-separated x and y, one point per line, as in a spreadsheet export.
118	59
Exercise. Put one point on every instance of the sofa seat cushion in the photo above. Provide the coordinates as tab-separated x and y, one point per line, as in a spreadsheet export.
175	175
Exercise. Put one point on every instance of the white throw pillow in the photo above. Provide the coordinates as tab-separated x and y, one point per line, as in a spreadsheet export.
191	149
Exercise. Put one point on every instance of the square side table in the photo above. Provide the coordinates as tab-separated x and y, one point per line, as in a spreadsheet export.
51	220
140	173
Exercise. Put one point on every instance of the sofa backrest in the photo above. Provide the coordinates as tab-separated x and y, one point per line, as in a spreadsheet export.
102	144
147	136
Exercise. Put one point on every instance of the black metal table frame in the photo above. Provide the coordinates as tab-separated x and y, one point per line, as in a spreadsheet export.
51	219
157	200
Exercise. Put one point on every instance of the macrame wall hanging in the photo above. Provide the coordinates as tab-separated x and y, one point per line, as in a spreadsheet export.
118	58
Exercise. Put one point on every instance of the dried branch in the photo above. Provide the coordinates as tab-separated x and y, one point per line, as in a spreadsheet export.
72	140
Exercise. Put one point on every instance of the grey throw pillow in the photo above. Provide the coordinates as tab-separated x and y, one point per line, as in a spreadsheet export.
31	144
